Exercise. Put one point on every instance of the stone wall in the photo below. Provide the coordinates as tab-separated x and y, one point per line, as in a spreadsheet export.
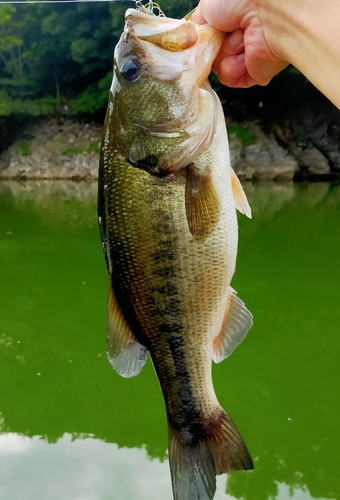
53	150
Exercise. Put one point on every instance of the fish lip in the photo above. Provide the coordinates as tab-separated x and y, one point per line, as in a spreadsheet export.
133	16
141	24
136	13
139	14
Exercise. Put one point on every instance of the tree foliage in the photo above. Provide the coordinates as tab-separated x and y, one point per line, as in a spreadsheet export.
58	57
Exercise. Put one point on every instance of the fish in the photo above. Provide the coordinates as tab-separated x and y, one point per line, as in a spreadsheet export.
167	201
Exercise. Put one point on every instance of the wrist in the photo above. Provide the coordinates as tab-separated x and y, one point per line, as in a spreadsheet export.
306	33
278	25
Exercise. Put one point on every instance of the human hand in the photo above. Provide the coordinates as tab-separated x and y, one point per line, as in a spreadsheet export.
245	58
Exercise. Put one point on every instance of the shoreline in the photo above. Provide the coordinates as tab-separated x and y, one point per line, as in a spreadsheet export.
63	149
284	131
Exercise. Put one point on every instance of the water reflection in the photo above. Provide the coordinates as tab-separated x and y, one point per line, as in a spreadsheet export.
88	469
281	386
81	469
45	191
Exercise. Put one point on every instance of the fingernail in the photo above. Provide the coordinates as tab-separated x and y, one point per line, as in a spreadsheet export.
241	57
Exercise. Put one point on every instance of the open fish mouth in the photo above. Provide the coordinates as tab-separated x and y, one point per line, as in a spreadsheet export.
169	34
160	37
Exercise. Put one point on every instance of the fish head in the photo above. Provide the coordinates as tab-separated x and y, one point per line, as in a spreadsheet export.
161	67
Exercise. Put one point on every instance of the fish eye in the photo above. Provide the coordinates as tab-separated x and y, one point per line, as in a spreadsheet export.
131	69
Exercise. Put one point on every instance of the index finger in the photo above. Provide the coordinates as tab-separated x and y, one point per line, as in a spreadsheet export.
223	15
197	16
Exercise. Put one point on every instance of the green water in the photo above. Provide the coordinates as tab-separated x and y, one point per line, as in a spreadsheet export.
71	429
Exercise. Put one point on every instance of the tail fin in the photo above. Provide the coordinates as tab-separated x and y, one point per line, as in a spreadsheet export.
196	457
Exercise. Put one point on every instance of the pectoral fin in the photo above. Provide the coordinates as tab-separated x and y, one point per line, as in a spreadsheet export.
238	321
201	203
126	355
240	199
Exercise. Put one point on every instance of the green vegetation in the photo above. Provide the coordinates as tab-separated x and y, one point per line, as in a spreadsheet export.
24	149
92	147
242	133
58	58
72	150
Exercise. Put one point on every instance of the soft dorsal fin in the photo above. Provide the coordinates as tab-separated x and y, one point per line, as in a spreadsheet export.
240	199
126	355
238	321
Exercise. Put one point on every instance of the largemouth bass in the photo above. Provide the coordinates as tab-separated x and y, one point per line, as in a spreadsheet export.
166	208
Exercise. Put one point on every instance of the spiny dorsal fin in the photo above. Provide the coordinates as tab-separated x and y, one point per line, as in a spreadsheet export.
126	355
201	203
240	199
238	321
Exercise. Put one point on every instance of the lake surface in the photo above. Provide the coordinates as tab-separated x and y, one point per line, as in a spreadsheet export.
71	429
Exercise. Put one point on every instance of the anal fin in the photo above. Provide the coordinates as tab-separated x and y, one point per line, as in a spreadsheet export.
238	321
126	355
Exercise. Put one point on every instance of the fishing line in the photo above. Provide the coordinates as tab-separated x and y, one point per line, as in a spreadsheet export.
61	1
149	8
